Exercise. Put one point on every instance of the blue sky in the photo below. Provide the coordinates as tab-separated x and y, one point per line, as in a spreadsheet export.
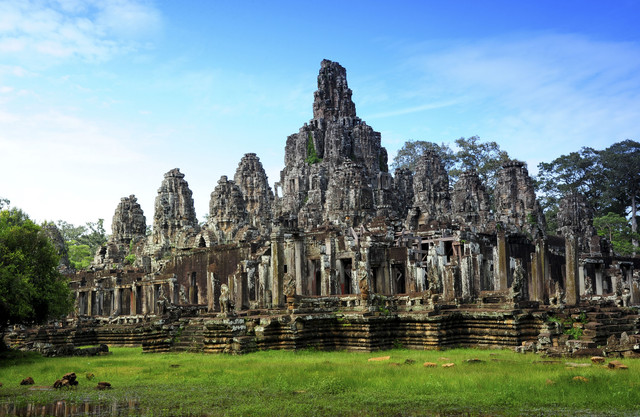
98	99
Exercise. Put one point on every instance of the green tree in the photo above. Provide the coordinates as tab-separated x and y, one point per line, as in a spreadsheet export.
82	241
408	155
31	288
579	172
621	169
486	158
95	236
4	202
618	230
609	179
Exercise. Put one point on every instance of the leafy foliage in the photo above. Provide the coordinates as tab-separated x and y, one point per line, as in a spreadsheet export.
471	154
579	172
609	179
312	155
408	155
618	230
622	172
486	158
82	241
31	288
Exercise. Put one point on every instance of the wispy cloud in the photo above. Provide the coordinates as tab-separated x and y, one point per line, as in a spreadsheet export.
92	30
541	94
415	109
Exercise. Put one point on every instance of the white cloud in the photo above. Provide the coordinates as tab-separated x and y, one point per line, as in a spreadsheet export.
92	30
538	96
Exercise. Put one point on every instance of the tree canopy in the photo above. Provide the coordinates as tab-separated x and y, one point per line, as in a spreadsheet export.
609	179
617	230
485	158
31	288
82	241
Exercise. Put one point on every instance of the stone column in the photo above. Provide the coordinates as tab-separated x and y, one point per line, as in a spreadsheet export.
536	287
449	290
210	291
90	303
501	262
571	268
134	299
599	269
296	246
276	270
116	301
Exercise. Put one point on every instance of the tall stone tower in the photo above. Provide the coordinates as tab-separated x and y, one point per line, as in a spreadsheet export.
335	164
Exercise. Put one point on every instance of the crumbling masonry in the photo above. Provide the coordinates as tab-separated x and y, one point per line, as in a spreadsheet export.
343	254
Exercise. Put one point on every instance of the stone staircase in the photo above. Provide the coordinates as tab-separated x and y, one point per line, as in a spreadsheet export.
190	336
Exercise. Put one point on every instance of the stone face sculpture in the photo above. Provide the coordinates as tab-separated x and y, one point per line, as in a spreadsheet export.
128	222
252	181
575	214
431	189
470	201
516	206
175	216
227	210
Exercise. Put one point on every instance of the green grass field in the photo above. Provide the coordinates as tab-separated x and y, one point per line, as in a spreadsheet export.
312	383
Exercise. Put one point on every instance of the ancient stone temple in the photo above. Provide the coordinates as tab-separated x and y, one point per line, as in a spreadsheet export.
344	254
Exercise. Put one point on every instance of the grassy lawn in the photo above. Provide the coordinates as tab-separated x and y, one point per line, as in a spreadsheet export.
311	383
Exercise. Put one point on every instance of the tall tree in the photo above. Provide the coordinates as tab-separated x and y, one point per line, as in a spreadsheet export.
82	241
486	158
31	288
617	230
579	172
408	155
621	166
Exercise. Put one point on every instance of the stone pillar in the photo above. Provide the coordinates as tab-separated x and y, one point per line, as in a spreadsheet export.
635	290
116	301
571	268
598	281
134	299
264	281
421	277
501	262
90	303
174	291
581	283
466	278
449	290
145	298
210	291
325	275
298	264
536	286
276	270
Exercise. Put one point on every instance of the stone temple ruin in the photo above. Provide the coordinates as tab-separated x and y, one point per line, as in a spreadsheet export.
345	255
